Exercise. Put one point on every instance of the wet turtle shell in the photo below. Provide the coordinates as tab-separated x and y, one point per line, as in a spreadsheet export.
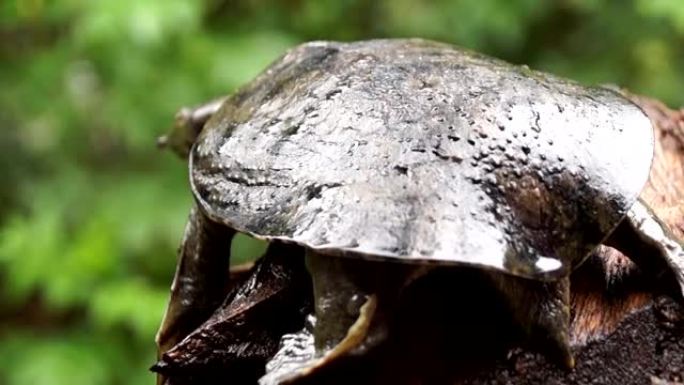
419	151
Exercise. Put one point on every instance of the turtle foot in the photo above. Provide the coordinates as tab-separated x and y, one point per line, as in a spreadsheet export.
298	359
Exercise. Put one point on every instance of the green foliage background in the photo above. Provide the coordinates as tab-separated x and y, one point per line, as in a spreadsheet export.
91	213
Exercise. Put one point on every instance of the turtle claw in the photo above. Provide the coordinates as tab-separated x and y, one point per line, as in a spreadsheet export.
159	367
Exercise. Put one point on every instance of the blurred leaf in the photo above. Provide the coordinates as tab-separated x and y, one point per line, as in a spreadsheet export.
245	248
670	10
130	304
53	361
140	23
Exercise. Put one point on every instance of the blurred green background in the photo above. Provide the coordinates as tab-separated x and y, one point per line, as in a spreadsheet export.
91	212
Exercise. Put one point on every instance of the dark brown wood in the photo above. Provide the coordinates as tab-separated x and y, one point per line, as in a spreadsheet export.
266	300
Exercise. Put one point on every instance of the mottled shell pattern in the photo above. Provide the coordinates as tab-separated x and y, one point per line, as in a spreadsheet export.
423	152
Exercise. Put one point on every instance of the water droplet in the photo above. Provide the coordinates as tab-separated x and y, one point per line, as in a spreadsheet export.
403	170
547	264
526	149
481	155
355	303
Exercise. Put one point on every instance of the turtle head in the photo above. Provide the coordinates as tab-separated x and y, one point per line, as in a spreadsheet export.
188	124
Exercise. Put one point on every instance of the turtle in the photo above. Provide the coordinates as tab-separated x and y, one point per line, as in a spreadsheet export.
386	159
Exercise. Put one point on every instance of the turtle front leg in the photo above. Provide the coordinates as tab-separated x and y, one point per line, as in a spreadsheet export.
542	310
201	280
350	290
648	242
354	301
340	291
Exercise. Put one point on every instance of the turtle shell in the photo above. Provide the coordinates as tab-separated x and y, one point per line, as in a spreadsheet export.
419	151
